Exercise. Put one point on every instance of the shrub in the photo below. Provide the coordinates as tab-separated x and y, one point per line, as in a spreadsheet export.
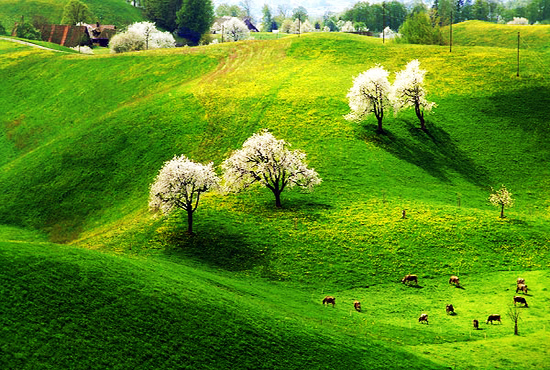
126	41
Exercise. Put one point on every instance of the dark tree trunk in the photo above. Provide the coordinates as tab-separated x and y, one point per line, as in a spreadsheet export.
380	130
420	116
502	211
190	222
277	199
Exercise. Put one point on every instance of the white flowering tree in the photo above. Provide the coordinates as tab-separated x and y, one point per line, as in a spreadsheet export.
369	94
180	184
235	30
144	29
306	27
388	33
519	20
408	91
501	198
268	162
140	36
347	27
295	26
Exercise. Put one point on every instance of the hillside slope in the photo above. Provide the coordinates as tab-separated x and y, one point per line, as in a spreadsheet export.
117	12
66	307
479	33
82	137
90	143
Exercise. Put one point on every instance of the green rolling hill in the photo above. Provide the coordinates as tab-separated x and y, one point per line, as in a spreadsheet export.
117	12
84	136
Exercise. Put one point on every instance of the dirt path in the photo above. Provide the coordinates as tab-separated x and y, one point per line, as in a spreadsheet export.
30	44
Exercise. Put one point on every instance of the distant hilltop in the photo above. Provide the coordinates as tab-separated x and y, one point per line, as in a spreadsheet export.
315	8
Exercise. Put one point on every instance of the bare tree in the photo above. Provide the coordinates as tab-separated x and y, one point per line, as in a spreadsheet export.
246	5
513	313
283	10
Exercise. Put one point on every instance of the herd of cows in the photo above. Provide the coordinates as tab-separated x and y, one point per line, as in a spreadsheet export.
453	280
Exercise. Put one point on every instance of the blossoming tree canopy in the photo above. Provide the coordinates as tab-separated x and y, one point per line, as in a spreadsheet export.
408	91
180	184
369	94
501	198
141	36
267	161
235	30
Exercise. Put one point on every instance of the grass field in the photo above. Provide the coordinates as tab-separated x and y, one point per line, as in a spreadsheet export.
83	139
117	12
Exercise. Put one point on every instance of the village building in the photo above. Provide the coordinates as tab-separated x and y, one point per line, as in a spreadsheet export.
221	21
83	34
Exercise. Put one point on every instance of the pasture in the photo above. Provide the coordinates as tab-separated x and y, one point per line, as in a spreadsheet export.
115	12
253	271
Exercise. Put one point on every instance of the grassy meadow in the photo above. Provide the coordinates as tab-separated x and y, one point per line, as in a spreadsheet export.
117	12
92	277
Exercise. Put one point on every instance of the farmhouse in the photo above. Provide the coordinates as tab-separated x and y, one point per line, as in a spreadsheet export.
70	36
100	34
220	22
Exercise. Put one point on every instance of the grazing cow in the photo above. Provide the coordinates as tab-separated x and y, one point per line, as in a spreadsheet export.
409	279
476	324
521	281
492	318
329	300
454	280
422	318
521	300
450	309
357	306
521	287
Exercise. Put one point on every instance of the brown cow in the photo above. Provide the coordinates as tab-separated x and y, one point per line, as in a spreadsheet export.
492	318
476	324
521	287
450	309
329	300
422	318
521	300
454	280
521	281
357	306
409	279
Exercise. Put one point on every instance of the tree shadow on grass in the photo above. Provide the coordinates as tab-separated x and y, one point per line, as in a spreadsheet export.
520	108
433	150
215	246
